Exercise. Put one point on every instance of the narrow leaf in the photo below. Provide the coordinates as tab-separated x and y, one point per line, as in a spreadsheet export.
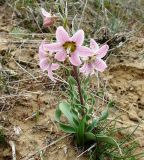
72	81
67	128
93	124
65	109
58	114
81	131
90	136
107	139
104	114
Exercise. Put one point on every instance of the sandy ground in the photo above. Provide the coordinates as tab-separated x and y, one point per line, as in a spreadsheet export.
26	91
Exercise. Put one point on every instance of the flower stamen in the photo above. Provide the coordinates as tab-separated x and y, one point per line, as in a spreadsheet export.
91	59
69	46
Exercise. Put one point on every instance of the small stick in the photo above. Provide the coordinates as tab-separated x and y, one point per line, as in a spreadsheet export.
13	149
33	115
87	150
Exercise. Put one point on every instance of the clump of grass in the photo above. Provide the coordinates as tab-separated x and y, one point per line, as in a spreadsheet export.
26	12
127	150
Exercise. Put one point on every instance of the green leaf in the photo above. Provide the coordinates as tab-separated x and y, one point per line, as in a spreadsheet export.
58	114
107	139
82	127
90	110
76	122
87	81
90	136
81	131
85	96
88	117
93	124
104	114
67	128
65	109
72	81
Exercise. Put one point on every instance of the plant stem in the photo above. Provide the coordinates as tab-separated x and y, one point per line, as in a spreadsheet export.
79	85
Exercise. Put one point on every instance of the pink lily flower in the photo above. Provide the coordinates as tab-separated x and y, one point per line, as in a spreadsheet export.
48	19
71	47
46	61
95	63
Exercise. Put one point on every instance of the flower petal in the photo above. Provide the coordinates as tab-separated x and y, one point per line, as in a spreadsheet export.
54	47
42	53
54	66
48	21
99	65
75	60
78	37
93	45
83	68
102	51
44	64
87	69
61	56
61	35
45	13
50	73
84	51
90	69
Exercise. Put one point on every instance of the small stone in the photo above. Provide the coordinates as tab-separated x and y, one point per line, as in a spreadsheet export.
17	130
131	88
133	115
139	45
141	114
132	96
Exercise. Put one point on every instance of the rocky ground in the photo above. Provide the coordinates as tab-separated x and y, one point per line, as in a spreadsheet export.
28	99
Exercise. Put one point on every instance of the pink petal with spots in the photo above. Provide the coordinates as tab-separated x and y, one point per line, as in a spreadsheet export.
93	45
61	35
45	13
84	51
44	64
102	51
78	37
75	60
54	47
99	65
60	56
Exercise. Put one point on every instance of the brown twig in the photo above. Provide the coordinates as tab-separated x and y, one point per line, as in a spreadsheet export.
76	76
13	149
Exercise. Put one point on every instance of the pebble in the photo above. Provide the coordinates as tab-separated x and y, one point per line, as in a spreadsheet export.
133	115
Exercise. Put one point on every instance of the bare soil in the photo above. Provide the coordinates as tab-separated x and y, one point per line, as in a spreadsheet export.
28	98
